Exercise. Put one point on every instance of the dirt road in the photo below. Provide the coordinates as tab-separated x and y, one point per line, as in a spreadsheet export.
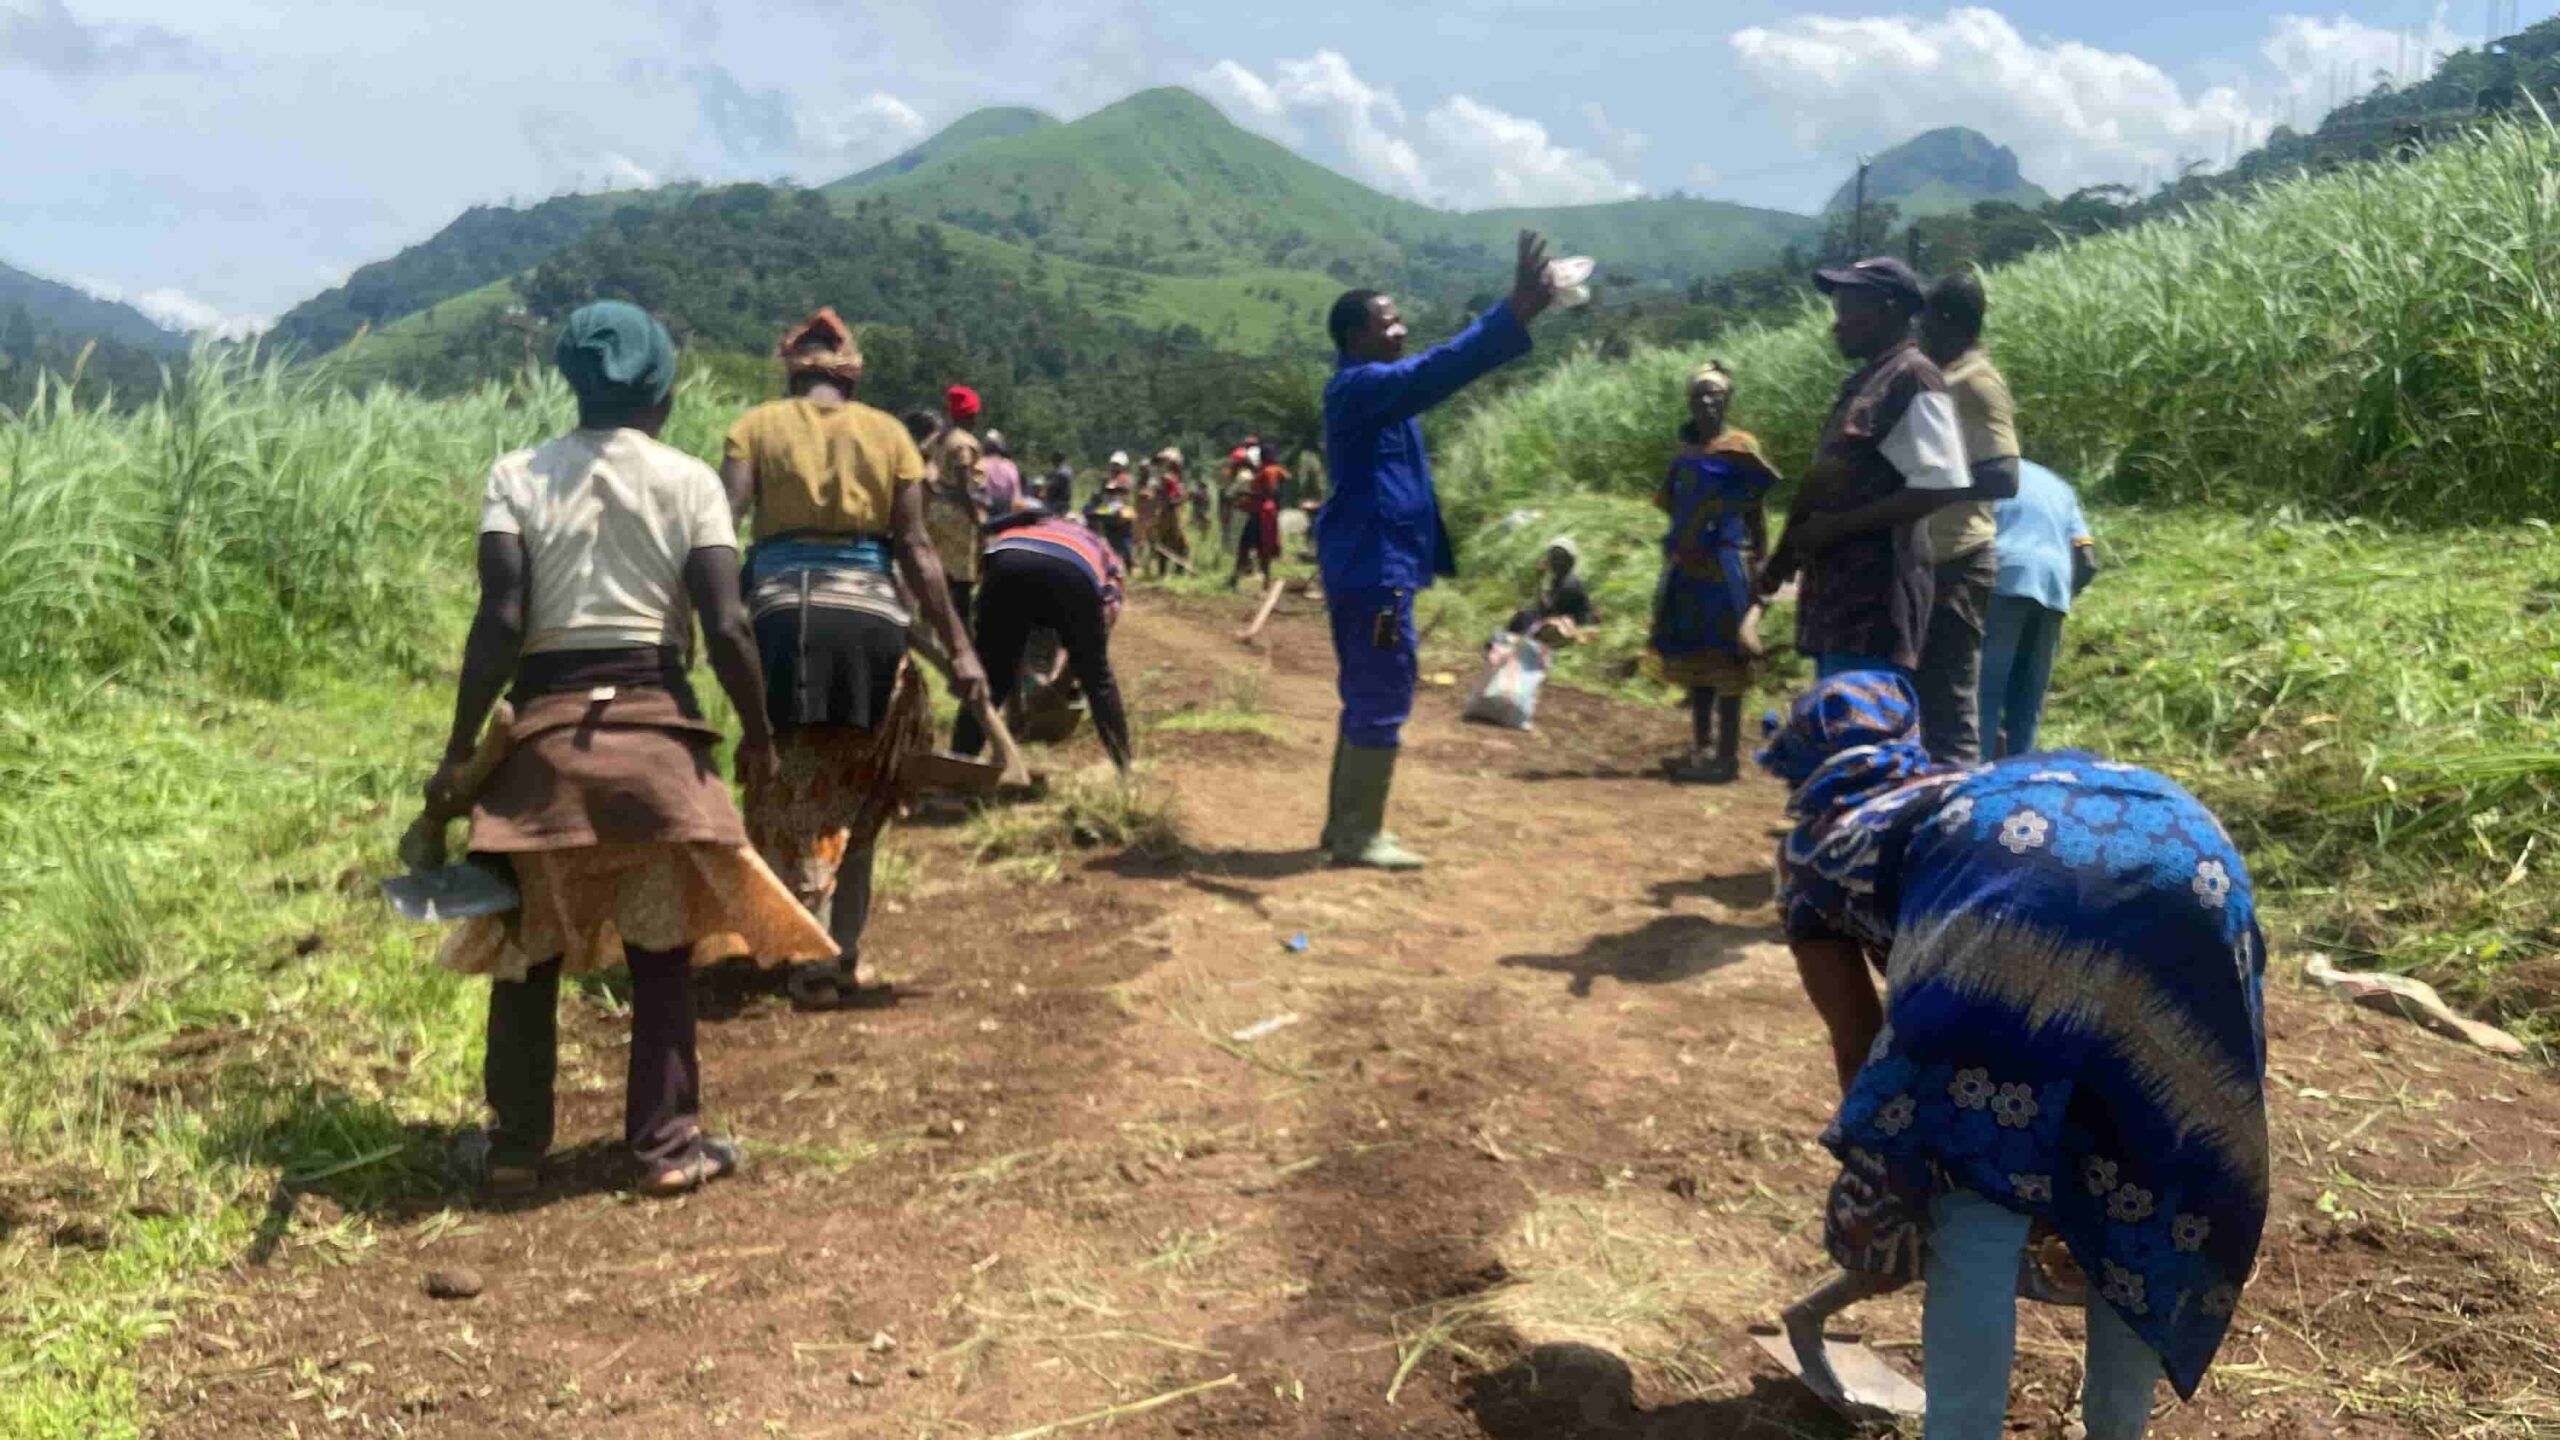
1533	1145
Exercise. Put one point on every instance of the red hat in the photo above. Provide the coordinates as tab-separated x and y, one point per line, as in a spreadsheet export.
960	402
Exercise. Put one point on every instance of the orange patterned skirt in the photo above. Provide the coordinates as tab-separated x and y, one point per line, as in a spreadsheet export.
587	904
833	792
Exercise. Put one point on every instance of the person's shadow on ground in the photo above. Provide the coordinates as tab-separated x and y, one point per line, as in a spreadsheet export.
1572	1391
1658	952
1747	891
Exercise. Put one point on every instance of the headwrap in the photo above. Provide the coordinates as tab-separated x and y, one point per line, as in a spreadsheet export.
1713	375
961	404
1169	456
841	360
1849	739
616	356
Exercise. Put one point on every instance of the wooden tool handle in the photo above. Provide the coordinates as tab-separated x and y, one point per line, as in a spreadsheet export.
1017	771
422	846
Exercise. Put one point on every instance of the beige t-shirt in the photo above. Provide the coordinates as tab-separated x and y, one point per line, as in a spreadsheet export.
608	517
1987	418
954	488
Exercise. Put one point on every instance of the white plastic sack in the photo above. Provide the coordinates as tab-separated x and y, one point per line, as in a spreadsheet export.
1571	278
1508	694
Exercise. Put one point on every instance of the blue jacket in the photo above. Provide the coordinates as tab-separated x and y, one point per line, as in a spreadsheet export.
1380	526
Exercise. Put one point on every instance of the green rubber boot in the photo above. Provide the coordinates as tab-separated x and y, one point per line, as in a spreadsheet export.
1334	803
1360	834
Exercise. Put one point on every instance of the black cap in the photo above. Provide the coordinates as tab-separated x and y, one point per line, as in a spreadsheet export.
1881	273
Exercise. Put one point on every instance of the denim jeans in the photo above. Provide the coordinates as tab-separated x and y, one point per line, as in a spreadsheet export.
2020	639
1969	1332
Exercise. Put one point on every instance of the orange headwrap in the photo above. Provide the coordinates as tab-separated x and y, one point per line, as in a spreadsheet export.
841	360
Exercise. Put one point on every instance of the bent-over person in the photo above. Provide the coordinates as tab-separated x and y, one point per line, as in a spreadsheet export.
836	489
596	549
2071	1033
1045	572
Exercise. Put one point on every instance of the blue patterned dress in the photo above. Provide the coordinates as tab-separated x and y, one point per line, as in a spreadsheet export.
2073	1021
1706	574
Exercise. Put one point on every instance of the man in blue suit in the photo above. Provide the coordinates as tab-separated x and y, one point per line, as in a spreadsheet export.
1379	538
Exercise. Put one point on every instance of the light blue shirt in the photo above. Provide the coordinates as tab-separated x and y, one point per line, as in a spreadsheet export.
2038	527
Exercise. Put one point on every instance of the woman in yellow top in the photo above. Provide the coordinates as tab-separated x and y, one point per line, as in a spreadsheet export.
836	491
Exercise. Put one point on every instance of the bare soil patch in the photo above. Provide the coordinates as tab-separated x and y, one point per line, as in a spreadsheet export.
1536	1146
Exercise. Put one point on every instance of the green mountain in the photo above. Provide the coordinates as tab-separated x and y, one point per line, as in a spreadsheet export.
1154	222
60	312
1943	172
1162	182
995	123
485	243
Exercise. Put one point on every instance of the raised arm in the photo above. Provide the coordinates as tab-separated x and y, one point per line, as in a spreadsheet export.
1397	391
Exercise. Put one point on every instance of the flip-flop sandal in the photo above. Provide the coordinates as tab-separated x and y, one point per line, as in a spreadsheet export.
815	987
470	1160
712	1160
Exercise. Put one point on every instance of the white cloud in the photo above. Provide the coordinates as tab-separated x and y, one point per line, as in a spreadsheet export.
44	35
1463	153
1624	145
174	309
1510	160
2075	113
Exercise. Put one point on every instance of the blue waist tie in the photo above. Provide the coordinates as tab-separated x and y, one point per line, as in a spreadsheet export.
791	553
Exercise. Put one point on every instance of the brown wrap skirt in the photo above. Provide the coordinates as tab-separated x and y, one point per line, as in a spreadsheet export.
611	809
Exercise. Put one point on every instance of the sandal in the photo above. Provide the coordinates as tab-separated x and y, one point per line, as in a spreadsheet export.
818	987
471	1159
711	1160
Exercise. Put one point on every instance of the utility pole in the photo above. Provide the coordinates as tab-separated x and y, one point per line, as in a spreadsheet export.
1858	215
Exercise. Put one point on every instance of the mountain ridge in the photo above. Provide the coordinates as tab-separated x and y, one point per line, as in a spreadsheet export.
1941	171
73	314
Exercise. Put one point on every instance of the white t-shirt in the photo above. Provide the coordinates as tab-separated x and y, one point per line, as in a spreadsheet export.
608	517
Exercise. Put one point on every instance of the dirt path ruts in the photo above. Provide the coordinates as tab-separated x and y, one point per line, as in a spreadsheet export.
1539	1144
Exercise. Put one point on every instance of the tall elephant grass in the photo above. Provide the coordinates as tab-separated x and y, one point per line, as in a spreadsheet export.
2380	341
2332	612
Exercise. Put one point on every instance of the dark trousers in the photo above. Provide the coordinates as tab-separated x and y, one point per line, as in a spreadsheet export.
1020	592
662	1098
2019	643
1378	659
1950	675
964	593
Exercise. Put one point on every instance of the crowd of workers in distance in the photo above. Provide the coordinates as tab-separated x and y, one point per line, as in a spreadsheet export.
2067	1044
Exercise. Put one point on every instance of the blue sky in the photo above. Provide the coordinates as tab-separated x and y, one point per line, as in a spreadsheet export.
217	160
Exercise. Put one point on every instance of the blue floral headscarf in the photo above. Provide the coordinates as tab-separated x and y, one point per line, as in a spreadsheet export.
1849	739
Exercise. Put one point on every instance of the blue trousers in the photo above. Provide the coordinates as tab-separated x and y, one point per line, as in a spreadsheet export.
1377	680
1969	1332
2019	640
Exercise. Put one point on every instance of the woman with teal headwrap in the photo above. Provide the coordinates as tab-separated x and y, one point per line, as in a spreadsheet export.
2070	1034
596	549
